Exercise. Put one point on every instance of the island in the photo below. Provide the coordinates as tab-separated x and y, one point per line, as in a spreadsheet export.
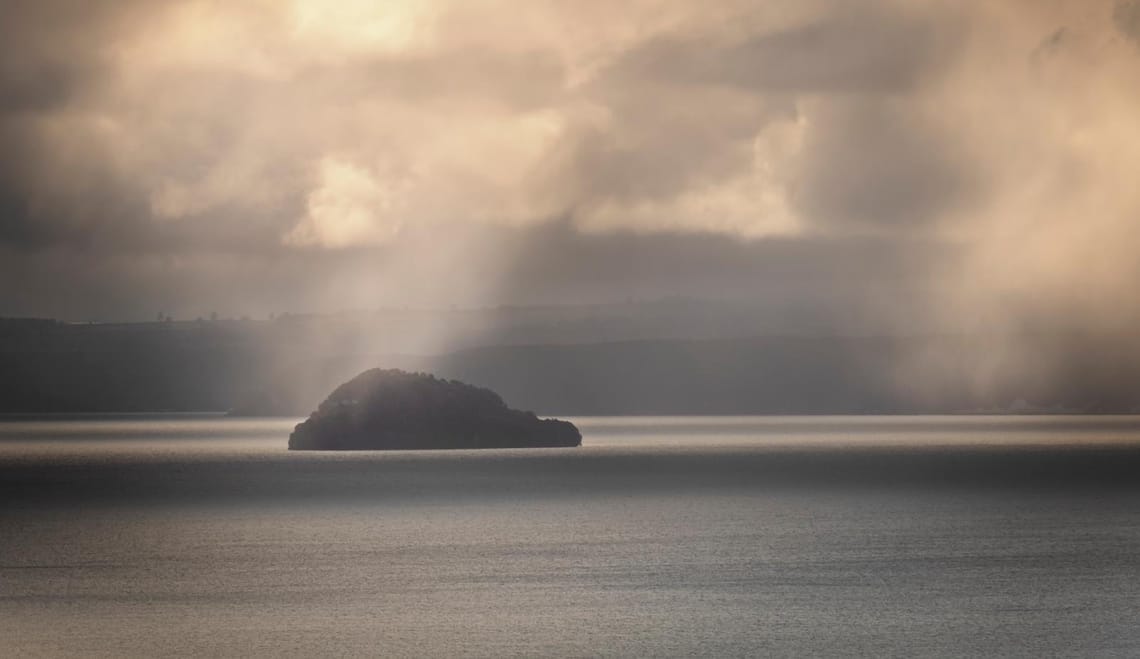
390	409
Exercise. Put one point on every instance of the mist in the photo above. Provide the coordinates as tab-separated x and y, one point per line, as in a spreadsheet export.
894	167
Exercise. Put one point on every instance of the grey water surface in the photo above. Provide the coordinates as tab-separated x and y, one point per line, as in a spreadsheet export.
660	536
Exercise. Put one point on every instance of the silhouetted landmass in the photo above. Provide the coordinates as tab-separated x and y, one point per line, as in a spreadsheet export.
392	409
288	365
281	367
1048	373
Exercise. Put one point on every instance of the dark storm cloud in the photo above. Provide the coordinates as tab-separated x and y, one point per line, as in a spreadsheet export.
531	79
1052	44
44	202
1126	16
57	184
868	51
880	162
868	157
38	87
665	139
823	270
267	156
51	51
658	145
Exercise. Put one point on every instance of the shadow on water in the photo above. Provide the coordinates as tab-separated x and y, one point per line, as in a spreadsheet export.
214	459
561	472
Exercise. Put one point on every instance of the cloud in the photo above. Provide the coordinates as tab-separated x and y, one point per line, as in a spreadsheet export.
870	50
426	151
879	162
200	116
1126	16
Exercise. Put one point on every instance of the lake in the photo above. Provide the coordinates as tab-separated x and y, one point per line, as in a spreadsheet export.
664	536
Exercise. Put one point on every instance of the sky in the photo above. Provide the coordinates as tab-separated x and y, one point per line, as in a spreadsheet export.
966	164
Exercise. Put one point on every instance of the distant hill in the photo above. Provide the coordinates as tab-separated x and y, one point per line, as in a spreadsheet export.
813	375
287	366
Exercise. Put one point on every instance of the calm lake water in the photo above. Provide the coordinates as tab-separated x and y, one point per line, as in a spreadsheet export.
813	536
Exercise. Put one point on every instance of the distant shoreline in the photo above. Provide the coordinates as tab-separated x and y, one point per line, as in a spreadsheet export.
86	416
226	414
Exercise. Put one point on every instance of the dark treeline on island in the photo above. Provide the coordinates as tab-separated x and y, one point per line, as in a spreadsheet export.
287	366
392	409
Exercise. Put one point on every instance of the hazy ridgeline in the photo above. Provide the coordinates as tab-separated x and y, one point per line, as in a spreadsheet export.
623	359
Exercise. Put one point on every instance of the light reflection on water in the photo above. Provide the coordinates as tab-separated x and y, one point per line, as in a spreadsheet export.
138	435
661	536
